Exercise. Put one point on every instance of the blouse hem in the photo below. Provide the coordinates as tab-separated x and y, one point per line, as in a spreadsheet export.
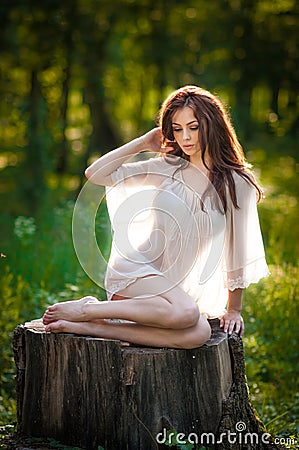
119	287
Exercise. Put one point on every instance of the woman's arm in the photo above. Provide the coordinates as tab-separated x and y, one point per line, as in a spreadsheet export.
232	319
99	172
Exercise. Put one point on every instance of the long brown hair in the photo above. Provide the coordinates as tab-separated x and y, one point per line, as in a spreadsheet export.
217	139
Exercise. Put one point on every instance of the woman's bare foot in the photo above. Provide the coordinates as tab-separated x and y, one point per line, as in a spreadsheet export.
72	311
84	328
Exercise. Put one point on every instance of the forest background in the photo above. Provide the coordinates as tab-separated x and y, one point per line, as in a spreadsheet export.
77	79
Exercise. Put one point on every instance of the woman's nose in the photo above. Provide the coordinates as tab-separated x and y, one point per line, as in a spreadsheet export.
186	135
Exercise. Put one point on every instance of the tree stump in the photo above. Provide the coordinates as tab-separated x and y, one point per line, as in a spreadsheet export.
95	393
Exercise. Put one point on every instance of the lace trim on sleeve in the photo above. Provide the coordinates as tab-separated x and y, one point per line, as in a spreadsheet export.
242	283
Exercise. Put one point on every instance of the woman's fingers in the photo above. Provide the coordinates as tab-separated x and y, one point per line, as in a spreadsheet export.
242	328
166	149
221	322
168	146
231	325
155	142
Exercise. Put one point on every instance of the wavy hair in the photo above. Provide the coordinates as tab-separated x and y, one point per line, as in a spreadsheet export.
217	139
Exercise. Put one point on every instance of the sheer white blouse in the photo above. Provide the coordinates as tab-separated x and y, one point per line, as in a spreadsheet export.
165	221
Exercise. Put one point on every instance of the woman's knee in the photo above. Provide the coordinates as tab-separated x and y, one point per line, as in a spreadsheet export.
198	335
181	317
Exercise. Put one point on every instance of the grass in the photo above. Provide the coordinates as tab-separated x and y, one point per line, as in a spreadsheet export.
9	439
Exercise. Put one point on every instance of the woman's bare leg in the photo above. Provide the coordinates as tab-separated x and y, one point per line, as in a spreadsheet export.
188	338
165	306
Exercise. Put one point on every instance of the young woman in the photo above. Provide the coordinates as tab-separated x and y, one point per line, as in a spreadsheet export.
187	238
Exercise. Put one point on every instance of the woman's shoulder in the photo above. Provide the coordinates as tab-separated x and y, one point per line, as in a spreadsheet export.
246	191
139	164
243	179
145	159
164	161
145	169
153	164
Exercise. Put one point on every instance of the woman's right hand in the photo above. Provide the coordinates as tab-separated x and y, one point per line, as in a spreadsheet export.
153	141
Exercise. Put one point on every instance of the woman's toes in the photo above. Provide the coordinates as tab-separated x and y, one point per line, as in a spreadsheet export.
53	308
47	318
56	327
51	314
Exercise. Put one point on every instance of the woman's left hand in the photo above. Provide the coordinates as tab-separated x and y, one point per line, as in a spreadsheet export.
232	321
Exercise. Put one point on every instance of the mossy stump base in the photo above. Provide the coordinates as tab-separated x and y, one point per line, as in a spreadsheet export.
92	393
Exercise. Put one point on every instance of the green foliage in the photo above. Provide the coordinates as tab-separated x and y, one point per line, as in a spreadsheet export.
9	439
271	306
13	293
66	72
42	251
175	439
271	343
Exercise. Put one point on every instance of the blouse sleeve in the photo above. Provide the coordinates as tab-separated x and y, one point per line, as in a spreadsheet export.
134	173
134	184
244	257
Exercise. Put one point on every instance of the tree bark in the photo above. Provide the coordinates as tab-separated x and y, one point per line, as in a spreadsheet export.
93	392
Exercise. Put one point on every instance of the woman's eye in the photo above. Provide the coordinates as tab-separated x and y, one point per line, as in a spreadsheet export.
177	130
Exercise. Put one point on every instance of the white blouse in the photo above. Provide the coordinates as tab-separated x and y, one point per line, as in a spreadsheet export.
165	221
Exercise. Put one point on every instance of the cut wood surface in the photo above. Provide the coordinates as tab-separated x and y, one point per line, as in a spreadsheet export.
91	392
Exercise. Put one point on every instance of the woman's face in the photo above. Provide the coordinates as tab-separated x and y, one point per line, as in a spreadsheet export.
185	128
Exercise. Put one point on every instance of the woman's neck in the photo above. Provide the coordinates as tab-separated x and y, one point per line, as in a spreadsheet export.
196	160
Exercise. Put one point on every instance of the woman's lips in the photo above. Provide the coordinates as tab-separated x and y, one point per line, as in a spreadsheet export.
188	147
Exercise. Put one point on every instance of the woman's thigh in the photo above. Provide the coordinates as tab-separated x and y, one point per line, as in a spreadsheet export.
155	286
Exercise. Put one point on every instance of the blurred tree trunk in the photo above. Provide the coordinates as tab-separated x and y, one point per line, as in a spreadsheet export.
94	57
103	137
244	62
72	18
63	151
36	154
242	108
159	40
275	87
